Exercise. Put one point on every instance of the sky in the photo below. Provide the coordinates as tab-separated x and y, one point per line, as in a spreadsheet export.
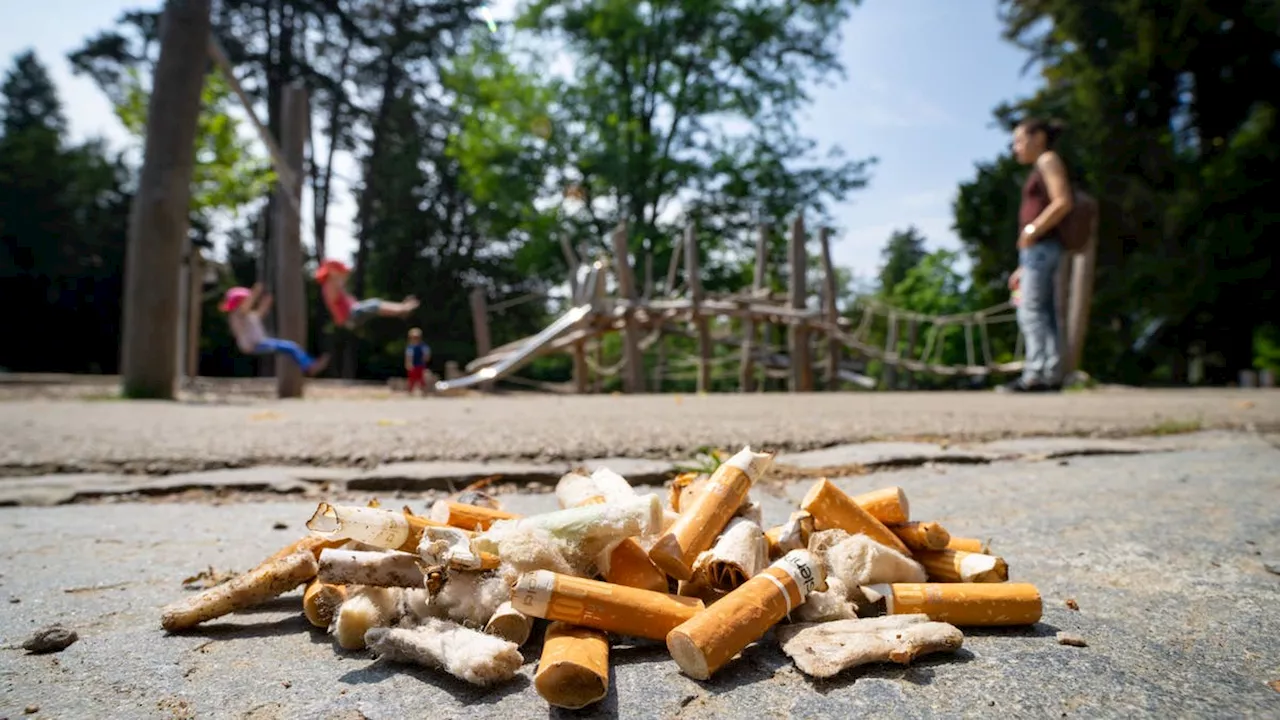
921	78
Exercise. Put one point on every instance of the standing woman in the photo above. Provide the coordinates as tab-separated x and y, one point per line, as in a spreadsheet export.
1046	200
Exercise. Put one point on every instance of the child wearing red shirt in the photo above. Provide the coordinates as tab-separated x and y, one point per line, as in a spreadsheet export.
348	311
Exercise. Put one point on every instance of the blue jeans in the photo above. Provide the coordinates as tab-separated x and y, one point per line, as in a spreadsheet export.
363	311
1037	313
285	347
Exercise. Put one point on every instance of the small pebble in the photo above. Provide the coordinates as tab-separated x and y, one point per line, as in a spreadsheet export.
53	638
280	526
14	601
1272	567
1065	638
1072	604
31	709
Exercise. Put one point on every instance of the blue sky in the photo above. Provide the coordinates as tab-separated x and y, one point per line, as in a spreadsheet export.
921	79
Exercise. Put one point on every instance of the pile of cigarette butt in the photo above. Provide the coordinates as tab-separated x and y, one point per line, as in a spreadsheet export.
847	580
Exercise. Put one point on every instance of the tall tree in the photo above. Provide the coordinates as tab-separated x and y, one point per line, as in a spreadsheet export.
903	251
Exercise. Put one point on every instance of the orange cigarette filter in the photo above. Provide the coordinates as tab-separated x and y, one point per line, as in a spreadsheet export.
600	605
831	508
468	517
791	535
573	671
922	535
697	527
960	566
964	604
888	505
682	483
629	564
968	544
320	602
706	642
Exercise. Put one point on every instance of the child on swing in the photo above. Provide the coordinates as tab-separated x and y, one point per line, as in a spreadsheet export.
347	311
245	308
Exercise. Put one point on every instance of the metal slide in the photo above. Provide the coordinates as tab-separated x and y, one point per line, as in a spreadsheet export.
520	356
588	290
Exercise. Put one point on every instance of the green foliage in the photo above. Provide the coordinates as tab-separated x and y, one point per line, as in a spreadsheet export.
904	251
1171	115
63	216
228	173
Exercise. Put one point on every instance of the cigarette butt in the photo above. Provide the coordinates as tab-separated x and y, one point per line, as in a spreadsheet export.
509	624
699	587
627	563
679	484
922	535
375	569
467	517
446	546
369	525
705	642
573	671
313	544
888	505
696	529
600	605
320	602
832	508
791	535
968	544
961	566
737	555
258	585
964	604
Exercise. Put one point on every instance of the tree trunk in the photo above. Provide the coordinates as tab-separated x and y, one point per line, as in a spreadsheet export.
291	305
158	217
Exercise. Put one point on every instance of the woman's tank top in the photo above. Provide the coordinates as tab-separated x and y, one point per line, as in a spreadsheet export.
1035	198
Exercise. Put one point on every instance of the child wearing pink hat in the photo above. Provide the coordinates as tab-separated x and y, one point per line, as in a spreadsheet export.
346	310
245	308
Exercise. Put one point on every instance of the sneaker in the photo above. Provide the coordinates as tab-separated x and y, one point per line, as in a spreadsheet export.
318	366
1018	386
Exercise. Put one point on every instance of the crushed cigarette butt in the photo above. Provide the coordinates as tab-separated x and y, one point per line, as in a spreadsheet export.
823	650
1066	638
52	638
858	560
365	608
264	582
466	654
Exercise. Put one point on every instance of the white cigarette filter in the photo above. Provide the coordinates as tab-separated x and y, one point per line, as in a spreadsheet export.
376	568
738	554
603	606
706	642
509	624
791	535
449	547
371	526
575	489
698	526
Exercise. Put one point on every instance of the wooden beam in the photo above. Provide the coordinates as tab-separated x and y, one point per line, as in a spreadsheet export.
693	276
159	213
801	365
890	369
480	324
195	307
1084	265
291	298
633	366
830	286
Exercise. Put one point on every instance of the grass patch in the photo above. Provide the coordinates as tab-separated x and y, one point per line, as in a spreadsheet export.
1174	427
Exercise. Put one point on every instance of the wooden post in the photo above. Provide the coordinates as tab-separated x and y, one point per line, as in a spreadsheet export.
480	324
291	301
801	365
195	303
1081	301
633	371
913	329
832	313
580	367
660	366
890	371
692	274
747	373
158	216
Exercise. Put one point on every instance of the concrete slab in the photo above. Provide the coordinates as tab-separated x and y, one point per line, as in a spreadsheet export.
880	454
452	476
637	471
1178	612
45	490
